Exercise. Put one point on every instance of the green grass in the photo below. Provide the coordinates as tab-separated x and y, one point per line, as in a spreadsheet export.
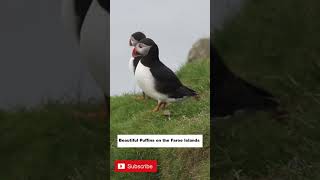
129	116
274	44
49	143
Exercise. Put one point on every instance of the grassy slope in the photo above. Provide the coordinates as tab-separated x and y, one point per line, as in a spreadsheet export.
48	143
130	116
274	44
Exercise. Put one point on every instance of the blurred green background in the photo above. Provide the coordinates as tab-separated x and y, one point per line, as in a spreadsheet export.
275	45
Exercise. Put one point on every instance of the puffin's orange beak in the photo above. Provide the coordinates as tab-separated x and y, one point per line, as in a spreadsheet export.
134	52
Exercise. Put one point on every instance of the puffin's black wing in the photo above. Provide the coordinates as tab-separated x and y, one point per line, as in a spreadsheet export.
168	83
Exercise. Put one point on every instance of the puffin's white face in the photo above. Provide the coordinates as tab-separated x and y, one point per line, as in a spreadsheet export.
132	41
142	49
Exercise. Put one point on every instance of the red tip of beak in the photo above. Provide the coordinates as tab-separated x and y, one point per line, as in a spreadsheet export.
134	52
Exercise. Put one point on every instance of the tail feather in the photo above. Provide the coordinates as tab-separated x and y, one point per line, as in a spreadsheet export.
185	91
257	90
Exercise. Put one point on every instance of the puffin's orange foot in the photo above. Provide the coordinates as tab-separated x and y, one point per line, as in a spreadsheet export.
164	105
157	108
159	105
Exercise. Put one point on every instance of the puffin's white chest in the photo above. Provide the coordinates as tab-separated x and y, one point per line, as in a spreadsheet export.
146	82
131	66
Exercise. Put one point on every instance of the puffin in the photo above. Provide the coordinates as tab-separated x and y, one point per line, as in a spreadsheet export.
133	41
156	79
231	93
88	21
133	62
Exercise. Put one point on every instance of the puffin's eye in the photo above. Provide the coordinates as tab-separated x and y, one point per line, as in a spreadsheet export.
140	46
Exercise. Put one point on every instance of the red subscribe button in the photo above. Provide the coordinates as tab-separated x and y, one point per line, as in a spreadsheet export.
135	166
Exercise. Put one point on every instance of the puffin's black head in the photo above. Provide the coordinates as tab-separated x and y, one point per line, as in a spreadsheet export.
146	47
135	38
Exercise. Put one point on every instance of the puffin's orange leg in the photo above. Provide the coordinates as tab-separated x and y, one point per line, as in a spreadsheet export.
157	108
164	105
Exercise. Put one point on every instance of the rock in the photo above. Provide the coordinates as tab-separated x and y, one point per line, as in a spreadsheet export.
200	50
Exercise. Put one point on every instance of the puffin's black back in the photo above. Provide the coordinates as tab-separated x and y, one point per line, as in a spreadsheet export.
231	93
